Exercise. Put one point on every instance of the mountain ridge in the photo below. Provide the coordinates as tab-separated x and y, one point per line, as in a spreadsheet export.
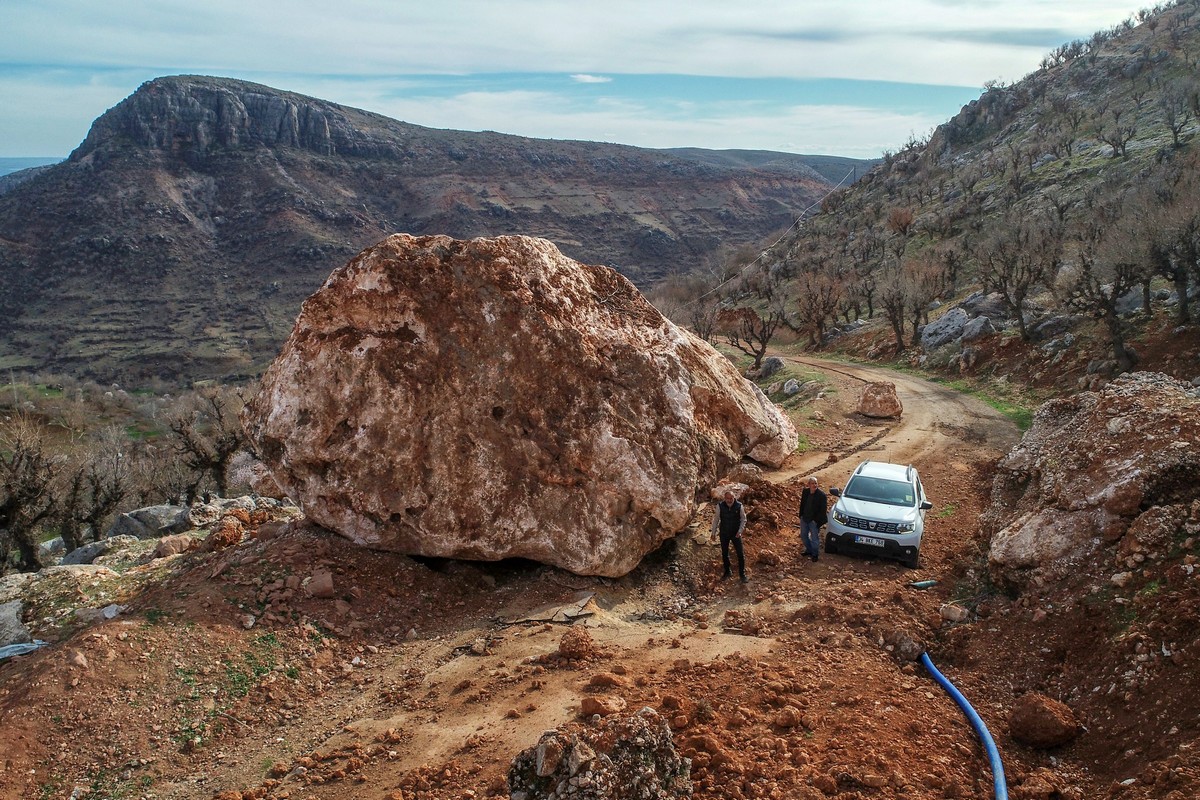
179	239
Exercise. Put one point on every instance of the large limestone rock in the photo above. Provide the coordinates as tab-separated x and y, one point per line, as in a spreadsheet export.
945	329
492	399
1101	469
12	629
87	553
879	400
150	522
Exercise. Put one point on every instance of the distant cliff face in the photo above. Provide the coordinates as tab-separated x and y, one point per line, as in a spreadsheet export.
182	235
192	118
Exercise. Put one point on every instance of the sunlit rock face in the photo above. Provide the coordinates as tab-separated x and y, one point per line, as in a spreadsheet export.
492	398
1101	476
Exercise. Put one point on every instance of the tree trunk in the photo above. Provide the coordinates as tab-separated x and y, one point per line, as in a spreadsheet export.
31	559
1022	329
898	330
1126	360
1183	315
70	535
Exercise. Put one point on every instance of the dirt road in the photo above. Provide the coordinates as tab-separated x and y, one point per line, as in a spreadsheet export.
936	422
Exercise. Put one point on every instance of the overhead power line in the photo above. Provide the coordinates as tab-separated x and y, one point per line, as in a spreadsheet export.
782	236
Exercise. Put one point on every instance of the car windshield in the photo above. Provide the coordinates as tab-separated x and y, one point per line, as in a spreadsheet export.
880	490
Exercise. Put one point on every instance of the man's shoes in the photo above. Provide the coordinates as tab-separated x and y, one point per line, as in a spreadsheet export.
806	554
745	579
727	576
814	557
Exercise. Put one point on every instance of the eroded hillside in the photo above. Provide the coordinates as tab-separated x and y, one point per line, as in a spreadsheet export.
181	237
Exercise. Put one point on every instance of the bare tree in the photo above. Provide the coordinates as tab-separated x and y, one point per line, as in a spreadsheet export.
893	301
749	332
901	223
1169	217
27	473
1100	275
866	256
1116	134
1020	254
702	318
207	434
818	296
1175	105
924	281
96	485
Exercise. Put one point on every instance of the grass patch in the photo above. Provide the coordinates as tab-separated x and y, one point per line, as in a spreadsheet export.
1150	589
140	431
947	511
1019	410
154	615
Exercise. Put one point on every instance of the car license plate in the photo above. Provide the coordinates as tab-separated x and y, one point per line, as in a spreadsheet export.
871	540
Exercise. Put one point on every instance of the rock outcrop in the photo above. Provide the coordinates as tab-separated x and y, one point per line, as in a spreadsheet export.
1115	467
879	400
87	553
151	522
625	758
493	399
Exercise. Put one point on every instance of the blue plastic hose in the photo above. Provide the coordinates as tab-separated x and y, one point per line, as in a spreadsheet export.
1001	788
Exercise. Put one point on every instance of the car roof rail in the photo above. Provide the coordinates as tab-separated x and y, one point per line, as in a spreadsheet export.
860	467
908	472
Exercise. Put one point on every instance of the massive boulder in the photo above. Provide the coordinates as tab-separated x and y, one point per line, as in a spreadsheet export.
1113	468
492	398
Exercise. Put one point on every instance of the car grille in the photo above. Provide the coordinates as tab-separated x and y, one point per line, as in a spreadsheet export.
871	525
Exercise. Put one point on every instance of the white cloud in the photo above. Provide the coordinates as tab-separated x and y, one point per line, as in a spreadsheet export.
838	130
349	55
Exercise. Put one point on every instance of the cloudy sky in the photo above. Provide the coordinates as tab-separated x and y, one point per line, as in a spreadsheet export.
842	77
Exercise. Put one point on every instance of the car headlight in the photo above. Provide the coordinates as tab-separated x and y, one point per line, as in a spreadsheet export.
841	516
905	527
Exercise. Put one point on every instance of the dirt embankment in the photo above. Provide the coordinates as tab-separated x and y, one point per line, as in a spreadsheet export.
424	679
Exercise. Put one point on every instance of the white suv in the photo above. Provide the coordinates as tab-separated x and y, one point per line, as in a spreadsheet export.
881	513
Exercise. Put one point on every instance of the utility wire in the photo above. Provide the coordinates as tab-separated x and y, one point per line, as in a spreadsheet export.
768	248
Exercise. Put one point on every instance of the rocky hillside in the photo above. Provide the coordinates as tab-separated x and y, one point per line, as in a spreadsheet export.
181	237
1058	217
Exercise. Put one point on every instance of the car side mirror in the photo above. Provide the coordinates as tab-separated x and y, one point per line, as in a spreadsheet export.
835	491
926	505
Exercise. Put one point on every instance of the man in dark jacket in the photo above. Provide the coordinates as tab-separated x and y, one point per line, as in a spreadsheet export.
812	517
730	521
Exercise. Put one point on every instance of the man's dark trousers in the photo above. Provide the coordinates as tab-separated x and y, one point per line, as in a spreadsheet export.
737	547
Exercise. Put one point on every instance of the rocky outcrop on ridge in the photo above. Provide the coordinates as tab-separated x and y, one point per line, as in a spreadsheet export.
1112	470
492	399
